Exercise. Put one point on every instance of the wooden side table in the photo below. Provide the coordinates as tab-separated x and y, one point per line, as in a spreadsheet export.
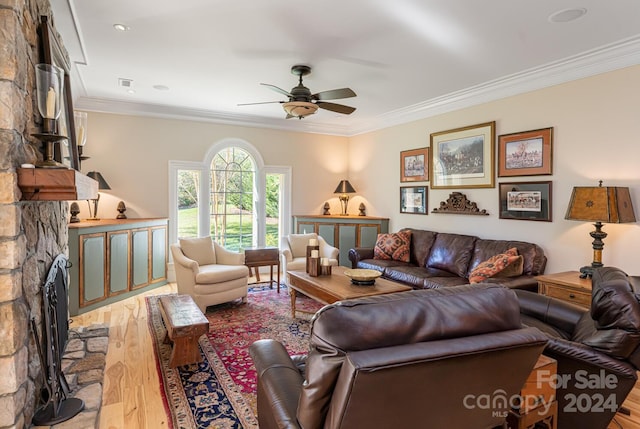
263	257
567	286
538	405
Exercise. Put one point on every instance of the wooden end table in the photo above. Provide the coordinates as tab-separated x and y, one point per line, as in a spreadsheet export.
538	405
335	287
566	286
257	257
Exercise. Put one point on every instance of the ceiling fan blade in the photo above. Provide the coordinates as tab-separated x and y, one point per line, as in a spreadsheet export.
260	102
339	108
276	89
334	94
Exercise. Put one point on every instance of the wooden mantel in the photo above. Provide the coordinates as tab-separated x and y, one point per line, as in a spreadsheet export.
55	184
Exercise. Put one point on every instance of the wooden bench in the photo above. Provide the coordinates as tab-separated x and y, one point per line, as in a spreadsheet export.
185	324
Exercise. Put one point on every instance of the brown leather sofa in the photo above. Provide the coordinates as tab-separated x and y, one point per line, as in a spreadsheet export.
597	351
416	359
443	259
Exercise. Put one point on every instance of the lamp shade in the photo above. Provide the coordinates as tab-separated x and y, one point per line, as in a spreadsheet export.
344	187
608	204
300	109
102	183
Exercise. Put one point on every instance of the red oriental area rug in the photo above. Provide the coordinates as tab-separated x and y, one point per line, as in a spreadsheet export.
220	392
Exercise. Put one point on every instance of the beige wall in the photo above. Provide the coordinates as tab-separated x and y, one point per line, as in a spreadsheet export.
596	125
133	154
596	131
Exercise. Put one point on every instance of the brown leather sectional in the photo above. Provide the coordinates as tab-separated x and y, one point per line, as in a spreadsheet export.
442	259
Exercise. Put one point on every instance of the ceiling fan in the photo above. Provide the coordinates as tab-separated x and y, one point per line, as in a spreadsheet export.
303	103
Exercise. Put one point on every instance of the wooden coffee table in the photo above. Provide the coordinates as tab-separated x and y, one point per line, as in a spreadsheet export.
336	287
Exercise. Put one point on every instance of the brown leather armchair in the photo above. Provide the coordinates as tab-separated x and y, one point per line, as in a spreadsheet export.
597	351
407	360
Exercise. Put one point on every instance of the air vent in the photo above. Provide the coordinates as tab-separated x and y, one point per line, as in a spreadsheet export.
125	83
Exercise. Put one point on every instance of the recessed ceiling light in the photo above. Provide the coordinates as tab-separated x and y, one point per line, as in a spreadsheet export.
121	27
567	15
161	87
131	91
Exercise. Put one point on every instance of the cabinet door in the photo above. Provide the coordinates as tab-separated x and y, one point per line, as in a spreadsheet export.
328	232
118	261
306	228
92	268
140	258
346	241
158	253
368	234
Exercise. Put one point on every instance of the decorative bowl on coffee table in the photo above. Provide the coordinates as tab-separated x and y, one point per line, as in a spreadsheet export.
362	277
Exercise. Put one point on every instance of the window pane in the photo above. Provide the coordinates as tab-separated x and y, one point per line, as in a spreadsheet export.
273	195
188	185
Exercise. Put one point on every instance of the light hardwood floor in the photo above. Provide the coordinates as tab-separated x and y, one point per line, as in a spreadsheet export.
131	394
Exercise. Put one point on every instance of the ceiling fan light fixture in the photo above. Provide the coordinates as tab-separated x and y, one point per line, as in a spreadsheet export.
300	109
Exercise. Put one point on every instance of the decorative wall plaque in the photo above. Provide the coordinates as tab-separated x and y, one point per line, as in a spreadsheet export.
457	203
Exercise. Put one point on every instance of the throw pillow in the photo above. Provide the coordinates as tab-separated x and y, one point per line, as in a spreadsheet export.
199	249
514	269
394	246
493	266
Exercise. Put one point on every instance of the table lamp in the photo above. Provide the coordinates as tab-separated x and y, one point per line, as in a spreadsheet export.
102	184
599	204
344	188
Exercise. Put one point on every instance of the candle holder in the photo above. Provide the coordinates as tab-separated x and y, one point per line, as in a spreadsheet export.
310	249
49	89
49	139
314	267
80	123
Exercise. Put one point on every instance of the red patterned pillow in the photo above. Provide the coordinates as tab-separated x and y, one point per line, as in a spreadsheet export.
394	246
493	265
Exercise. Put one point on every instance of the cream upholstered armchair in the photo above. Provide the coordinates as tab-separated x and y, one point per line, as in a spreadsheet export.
294	251
208	272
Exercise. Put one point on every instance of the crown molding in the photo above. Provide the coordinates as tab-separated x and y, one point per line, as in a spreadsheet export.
106	105
611	57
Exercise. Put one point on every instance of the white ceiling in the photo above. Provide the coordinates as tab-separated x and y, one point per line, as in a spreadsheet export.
406	59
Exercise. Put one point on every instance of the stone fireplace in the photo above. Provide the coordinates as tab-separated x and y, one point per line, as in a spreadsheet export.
32	234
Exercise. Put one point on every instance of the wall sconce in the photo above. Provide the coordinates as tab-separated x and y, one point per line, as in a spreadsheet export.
80	122
102	184
599	204
344	188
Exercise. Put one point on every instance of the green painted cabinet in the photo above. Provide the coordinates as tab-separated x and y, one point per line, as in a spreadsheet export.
113	259
343	232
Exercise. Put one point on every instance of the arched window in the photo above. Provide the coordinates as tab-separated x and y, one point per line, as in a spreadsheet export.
233	214
230	195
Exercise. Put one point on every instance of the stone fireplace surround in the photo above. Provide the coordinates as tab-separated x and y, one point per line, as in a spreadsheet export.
32	234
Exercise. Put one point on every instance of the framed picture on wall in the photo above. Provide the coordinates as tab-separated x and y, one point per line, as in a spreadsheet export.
525	200
413	199
414	165
463	157
527	153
